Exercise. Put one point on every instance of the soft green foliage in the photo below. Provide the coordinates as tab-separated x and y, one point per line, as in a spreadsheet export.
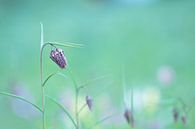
139	37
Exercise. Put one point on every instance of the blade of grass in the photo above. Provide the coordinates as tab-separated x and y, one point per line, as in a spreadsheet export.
132	99
21	98
80	110
124	86
67	44
51	75
102	120
62	107
41	35
93	80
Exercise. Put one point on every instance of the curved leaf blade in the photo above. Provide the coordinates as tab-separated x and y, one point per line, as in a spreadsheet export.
21	98
51	75
67	44
62	107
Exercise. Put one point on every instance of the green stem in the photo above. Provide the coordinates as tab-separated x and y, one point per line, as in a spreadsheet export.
43	45
21	98
132	99
73	80
43	106
76	108
76	98
41	76
41	67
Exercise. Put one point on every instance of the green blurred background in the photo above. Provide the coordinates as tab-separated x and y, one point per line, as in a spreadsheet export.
152	42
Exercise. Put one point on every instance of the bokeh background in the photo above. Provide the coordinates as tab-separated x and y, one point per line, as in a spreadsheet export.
145	44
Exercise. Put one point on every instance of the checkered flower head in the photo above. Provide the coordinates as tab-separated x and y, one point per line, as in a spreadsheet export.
57	56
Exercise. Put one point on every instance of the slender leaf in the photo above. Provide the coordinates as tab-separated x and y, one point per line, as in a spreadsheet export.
51	75
62	107
93	80
67	44
21	98
101	121
81	109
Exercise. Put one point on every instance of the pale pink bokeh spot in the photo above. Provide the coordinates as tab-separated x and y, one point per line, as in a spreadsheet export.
166	75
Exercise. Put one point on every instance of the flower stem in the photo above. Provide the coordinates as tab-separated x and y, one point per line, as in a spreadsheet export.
76	108
76	98
43	106
132	99
41	77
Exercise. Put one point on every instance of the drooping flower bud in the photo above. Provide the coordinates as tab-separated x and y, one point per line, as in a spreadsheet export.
89	102
129	117
184	119
175	114
58	57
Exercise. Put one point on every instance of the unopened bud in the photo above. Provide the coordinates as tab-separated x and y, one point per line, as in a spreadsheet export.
58	57
175	114
89	102
129	117
184	119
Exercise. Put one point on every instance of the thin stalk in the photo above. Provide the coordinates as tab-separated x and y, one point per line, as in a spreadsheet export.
73	80
43	45
132	99
43	106
124	86
51	75
41	71
76	98
76	108
41	77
